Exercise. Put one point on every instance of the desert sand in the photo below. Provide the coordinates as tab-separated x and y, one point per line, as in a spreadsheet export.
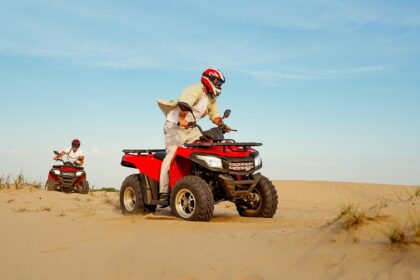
52	235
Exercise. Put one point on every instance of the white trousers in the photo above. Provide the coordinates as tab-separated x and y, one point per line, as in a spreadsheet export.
174	137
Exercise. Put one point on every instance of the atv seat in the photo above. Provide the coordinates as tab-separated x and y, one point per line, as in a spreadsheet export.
160	155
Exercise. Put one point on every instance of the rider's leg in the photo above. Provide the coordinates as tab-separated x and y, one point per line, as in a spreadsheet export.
172	142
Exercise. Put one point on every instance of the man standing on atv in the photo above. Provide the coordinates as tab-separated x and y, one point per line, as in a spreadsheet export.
73	154
202	98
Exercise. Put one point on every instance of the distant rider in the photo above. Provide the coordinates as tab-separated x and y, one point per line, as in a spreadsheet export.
202	98
73	154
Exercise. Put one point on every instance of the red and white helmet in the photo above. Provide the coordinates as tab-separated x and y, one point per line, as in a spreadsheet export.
75	143
213	80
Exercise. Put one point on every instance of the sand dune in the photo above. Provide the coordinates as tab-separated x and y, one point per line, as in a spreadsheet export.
51	235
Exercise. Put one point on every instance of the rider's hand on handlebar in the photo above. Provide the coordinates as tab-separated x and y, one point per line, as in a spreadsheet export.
225	128
183	123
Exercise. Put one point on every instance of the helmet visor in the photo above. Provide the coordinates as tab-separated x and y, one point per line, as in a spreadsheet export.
218	83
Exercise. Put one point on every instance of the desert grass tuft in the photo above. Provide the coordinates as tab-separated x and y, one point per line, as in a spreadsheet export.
107	189
354	219
417	192
407	234
2	181
76	198
5	182
46	209
351	217
62	213
398	236
22	210
19	181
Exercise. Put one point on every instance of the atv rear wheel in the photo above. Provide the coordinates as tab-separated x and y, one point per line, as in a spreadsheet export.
261	202
192	199
131	197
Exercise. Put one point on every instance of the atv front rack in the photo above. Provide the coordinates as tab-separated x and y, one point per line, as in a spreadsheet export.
245	145
211	144
146	151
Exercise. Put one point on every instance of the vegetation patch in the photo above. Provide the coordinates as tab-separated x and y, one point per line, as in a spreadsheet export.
108	189
405	235
351	217
5	181
22	210
46	209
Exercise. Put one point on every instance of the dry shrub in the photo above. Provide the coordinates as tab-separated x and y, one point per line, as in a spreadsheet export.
46	209
22	210
417	192
407	234
5	182
352	217
19	181
398	236
2	181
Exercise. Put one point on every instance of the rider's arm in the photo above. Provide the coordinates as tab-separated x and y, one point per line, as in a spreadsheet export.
214	113
81	160
57	157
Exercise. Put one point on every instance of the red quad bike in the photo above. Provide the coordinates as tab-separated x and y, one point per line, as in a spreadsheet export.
209	171
67	178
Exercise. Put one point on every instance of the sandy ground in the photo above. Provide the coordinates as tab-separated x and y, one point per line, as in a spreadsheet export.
51	235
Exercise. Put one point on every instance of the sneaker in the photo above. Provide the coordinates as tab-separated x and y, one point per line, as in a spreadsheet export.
163	196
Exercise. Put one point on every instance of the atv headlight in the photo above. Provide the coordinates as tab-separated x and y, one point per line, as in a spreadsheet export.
79	173
56	172
257	162
212	162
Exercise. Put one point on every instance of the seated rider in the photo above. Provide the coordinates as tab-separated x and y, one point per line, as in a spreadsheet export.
202	98
73	154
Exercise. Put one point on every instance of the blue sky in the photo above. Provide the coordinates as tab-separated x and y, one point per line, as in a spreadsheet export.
330	87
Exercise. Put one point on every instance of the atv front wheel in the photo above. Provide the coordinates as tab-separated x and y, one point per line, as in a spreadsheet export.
131	197
192	199
50	185
85	187
261	202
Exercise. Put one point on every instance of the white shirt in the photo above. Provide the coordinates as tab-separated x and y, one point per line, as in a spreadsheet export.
199	110
73	156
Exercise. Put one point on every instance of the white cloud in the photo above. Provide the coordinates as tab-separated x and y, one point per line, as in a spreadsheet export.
97	151
303	73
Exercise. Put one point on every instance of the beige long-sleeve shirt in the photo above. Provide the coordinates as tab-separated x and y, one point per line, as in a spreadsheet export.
191	95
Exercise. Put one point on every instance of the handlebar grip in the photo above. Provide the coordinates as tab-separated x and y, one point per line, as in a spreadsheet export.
190	124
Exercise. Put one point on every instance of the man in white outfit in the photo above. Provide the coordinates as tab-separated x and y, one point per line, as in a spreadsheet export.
202	98
73	154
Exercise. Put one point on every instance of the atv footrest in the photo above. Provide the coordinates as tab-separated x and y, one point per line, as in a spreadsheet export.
159	202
